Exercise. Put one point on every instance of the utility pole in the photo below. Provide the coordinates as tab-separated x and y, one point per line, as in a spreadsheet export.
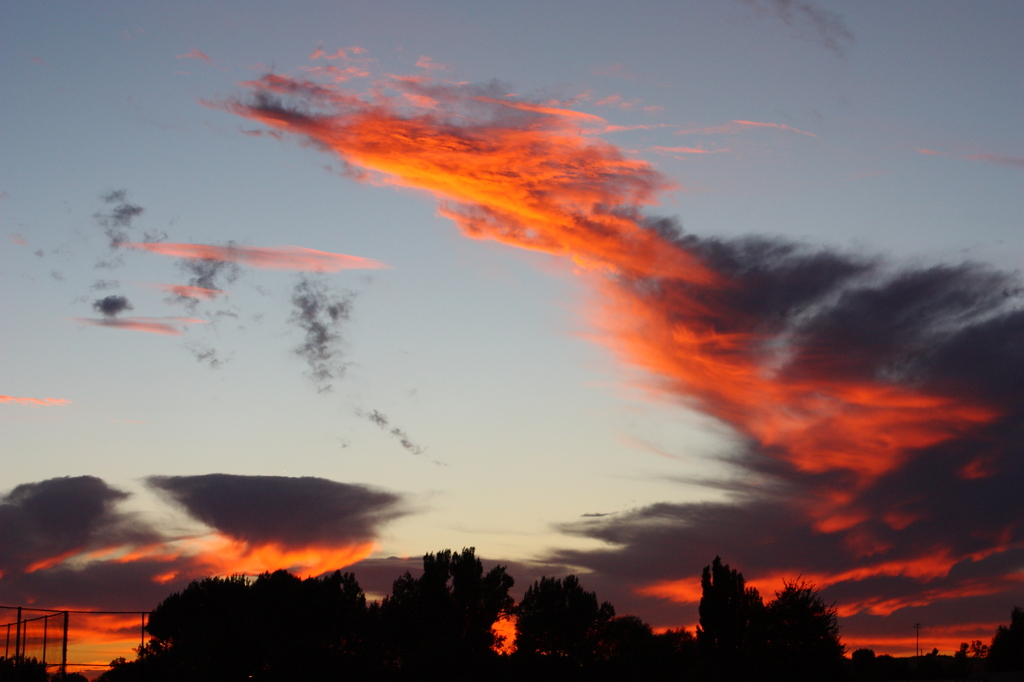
917	647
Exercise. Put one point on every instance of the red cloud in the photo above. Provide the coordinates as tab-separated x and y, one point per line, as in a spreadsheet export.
272	258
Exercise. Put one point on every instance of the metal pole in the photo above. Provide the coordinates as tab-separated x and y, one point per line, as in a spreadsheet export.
64	653
46	622
17	638
917	646
142	633
7	645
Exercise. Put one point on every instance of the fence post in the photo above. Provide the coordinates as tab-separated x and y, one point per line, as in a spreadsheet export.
17	638
46	622
64	652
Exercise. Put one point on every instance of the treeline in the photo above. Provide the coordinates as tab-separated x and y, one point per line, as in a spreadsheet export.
441	626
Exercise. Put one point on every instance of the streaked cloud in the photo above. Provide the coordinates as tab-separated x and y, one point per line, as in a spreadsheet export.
429	64
269	258
186	291
738	125
173	326
680	152
34	402
195	54
808	22
1009	161
384	423
862	391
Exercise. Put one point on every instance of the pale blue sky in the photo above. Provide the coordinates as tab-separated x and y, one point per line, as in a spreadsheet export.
478	352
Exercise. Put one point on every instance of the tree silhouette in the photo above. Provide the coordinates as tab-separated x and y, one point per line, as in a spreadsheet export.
277	627
558	618
19	669
803	635
438	626
731	634
1007	650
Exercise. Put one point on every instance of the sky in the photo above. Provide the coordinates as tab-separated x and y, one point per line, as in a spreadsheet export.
594	289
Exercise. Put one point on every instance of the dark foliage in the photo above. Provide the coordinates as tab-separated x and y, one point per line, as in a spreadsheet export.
731	636
277	627
22	670
1007	649
439	626
803	636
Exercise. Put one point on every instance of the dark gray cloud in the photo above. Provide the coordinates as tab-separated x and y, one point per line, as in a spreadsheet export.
936	530
116	223
292	511
42	521
808	22
111	306
381	420
105	284
320	313
207	355
205	274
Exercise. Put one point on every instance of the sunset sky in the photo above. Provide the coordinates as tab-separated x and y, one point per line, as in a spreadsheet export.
593	287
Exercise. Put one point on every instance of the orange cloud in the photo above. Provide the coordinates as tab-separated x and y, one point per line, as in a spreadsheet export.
526	175
269	258
217	554
946	639
429	64
318	53
34	402
534	182
152	325
186	291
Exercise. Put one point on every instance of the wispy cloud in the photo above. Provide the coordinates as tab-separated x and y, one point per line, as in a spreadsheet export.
381	420
186	291
429	64
195	54
808	22
1016	162
173	326
736	126
270	258
1009	161
679	152
34	402
861	391
320	312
